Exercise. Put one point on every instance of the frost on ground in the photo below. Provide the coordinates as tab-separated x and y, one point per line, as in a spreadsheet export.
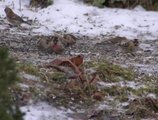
98	24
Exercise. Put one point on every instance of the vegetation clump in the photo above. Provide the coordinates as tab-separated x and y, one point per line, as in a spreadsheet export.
113	73
81	91
143	108
28	68
8	76
147	4
59	77
41	3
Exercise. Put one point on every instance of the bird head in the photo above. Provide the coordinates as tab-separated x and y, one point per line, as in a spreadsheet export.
55	40
8	11
136	42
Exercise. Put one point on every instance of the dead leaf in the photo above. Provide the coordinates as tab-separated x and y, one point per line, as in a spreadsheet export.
73	62
78	60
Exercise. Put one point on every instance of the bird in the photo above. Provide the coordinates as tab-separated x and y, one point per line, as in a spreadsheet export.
68	40
116	40
57	47
13	18
43	43
130	46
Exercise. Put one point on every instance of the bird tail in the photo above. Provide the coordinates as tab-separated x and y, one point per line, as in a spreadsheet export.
27	22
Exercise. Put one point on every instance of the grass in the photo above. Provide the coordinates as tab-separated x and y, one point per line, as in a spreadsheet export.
66	92
28	68
58	77
110	72
143	108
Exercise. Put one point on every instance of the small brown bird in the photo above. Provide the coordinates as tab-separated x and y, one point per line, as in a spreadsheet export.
116	40
43	43
130	46
57	47
13	18
68	40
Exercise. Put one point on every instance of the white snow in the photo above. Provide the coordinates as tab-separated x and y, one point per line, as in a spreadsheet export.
131	84
29	77
78	18
43	111
70	15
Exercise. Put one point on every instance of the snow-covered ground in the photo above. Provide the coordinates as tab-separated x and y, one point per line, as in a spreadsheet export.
42	111
76	17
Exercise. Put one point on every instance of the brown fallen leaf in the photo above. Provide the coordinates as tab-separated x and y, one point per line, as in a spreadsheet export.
78	60
73	62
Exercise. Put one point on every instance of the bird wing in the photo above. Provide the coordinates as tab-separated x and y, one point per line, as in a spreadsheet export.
16	17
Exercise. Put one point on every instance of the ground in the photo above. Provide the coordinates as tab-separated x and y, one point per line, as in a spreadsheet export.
94	28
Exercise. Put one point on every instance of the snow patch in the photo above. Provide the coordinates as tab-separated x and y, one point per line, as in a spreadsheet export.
43	111
76	17
29	77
